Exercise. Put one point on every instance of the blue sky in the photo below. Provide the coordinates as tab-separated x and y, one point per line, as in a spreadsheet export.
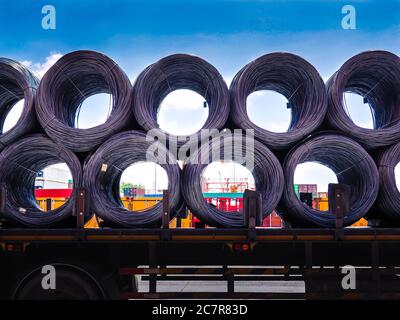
228	34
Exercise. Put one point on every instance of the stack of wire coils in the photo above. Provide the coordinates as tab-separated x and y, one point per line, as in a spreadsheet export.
320	130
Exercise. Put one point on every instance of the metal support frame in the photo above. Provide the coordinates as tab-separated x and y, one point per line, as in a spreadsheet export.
48	204
230	280
376	279
252	211
81	207
165	232
153	265
339	204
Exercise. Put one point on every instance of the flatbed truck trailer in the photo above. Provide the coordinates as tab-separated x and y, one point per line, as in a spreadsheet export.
104	263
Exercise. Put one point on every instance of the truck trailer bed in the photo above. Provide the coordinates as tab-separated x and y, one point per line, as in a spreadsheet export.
316	256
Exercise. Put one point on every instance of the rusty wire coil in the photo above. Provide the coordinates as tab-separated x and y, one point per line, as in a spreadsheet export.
16	83
351	164
102	174
180	71
267	173
375	75
72	79
294	78
19	165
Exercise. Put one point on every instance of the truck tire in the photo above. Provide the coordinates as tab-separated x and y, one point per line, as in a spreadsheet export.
73	282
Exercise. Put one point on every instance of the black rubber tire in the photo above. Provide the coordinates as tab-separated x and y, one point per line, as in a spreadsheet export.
74	281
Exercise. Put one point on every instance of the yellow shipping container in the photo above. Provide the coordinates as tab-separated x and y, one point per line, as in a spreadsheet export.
133	204
142	203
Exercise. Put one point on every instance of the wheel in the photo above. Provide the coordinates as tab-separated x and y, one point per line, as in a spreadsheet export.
73	282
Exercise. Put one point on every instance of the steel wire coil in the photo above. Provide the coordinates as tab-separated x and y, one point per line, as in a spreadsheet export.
19	165
351	164
16	83
294	78
375	75
72	79
180	71
267	173
103	171
388	202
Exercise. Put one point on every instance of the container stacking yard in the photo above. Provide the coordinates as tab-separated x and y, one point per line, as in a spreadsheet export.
100	244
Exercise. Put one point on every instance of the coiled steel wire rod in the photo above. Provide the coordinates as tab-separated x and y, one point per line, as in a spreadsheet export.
16	83
72	79
102	174
351	164
375	75
294	78
180	71
267	173
19	165
388	202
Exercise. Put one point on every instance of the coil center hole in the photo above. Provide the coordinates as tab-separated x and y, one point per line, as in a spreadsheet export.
268	110
311	181
223	184
182	112
141	185
397	175
93	111
53	186
358	111
12	116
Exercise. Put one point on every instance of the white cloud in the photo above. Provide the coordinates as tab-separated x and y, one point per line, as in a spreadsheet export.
132	78
325	78
182	112
358	111
268	109
228	80
183	100
26	63
41	68
13	115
